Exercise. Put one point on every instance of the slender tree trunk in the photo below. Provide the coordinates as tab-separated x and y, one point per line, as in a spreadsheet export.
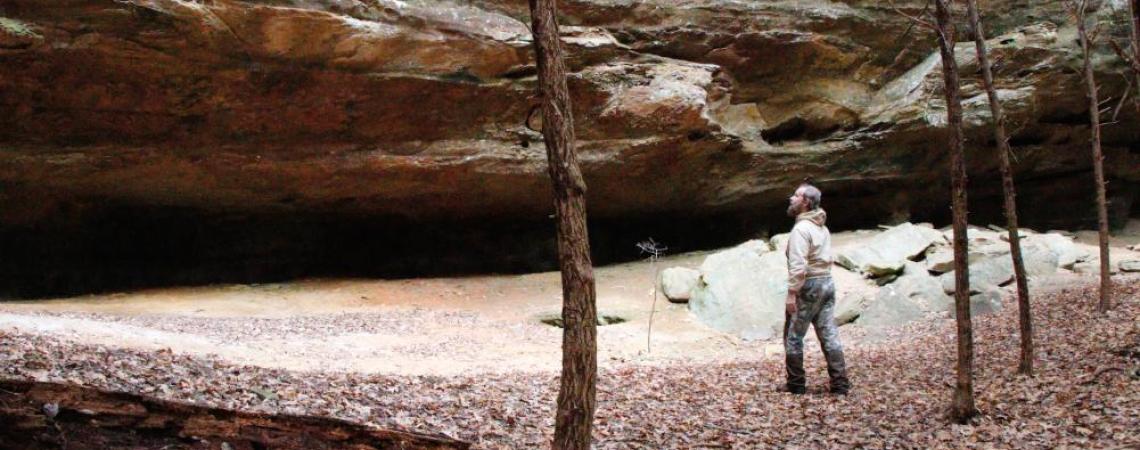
1097	159
576	394
1134	5
1026	364
962	408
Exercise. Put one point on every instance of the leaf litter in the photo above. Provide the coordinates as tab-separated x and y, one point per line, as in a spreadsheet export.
1085	394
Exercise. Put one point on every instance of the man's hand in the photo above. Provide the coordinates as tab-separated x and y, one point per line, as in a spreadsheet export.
790	303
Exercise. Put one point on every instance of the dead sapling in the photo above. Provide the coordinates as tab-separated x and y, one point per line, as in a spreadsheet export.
654	250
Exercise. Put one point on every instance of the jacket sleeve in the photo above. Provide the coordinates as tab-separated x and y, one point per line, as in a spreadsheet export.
798	247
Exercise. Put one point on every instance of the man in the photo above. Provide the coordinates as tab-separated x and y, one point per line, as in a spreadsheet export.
811	292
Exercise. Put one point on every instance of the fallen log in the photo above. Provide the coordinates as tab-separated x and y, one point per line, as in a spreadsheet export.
35	415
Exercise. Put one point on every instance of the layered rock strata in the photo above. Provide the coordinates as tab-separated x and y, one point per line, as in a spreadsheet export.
286	119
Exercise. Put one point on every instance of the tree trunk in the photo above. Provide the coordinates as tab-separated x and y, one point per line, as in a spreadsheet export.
1026	364
1097	159
35	415
1134	5
962	408
576	395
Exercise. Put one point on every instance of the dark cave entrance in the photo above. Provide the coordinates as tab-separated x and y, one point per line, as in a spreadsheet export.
124	247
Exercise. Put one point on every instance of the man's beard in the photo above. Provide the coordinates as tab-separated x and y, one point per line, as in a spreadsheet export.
793	211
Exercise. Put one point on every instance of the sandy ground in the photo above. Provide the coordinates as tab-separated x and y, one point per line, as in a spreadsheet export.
443	326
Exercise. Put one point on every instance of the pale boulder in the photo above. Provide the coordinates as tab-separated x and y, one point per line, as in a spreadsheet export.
677	283
1068	252
1132	265
888	249
742	290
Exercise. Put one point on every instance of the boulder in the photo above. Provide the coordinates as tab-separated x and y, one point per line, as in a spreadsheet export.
925	289
982	244
940	259
908	298
742	290
1039	261
973	234
779	242
1003	233
1092	267
988	301
1068	252
996	271
891	308
1132	265
849	307
853	294
884	268
888	249
677	283
984	273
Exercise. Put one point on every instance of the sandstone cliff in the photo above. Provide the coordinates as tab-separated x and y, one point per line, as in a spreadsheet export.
263	114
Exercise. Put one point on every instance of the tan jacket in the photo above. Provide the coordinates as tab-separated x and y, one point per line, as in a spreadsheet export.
809	249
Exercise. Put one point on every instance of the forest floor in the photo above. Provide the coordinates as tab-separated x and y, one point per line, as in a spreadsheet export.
470	359
1085	394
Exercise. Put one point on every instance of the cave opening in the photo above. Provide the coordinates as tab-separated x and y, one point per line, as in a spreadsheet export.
114	248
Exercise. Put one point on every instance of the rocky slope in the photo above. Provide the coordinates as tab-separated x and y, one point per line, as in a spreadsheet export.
403	121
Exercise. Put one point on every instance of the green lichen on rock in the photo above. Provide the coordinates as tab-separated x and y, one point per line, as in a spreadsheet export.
17	28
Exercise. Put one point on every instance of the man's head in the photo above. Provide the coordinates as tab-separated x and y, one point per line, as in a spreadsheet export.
806	198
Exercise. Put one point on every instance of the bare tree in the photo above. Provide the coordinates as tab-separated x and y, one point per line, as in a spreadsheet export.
576	395
1134	7
962	407
1132	60
1026	363
1079	9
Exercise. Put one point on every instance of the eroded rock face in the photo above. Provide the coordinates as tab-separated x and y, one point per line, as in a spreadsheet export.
422	111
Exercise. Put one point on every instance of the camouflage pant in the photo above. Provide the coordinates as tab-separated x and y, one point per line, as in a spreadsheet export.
815	305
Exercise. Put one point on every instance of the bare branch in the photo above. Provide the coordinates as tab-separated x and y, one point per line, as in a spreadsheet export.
915	19
1120	105
1127	60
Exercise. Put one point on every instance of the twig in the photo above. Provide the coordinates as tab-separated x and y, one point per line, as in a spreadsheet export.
730	430
915	19
904	45
1127	90
1100	372
643	442
654	250
1045	397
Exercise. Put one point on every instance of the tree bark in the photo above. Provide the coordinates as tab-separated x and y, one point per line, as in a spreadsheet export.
1025	366
576	395
83	418
1097	159
1134	6
962	408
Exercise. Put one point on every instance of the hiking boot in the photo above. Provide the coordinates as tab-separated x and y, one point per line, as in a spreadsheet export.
837	373
797	383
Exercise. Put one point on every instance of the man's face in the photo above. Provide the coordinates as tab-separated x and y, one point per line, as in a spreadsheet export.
797	203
